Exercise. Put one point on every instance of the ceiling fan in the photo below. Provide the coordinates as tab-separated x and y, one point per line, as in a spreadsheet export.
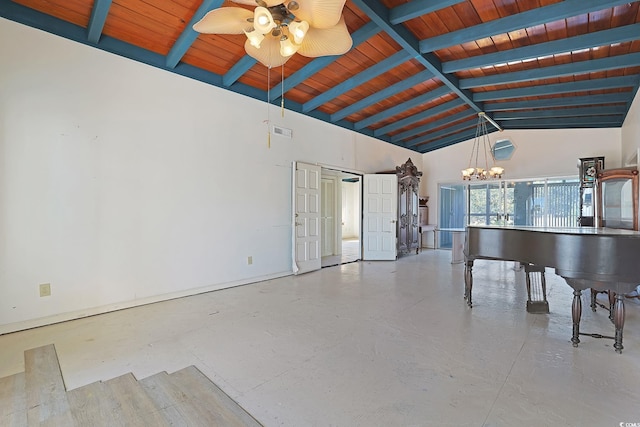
276	30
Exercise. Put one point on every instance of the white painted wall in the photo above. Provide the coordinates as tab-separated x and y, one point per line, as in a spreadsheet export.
538	153
122	184
631	132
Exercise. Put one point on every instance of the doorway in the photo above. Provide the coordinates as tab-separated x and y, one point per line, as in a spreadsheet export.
340	217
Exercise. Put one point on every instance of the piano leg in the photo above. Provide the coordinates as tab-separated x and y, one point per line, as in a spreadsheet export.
576	312
618	320
468	281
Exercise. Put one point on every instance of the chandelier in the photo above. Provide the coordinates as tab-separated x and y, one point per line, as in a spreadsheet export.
481	142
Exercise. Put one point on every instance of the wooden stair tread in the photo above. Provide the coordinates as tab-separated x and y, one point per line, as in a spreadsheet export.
46	396
132	404
13	400
189	398
92	405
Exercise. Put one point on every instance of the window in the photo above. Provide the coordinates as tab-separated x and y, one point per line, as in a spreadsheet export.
542	202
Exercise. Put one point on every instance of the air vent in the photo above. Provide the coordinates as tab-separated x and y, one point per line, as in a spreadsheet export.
277	130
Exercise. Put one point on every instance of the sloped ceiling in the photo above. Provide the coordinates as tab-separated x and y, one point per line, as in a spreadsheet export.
418	73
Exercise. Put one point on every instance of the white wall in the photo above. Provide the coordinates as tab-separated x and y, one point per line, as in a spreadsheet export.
538	153
631	132
122	184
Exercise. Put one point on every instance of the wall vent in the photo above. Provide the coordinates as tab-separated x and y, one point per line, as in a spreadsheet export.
278	130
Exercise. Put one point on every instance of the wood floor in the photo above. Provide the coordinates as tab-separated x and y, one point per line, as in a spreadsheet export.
183	398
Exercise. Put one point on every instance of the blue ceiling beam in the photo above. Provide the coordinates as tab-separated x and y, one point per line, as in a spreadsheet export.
574	68
379	13
359	36
433	125
561	112
382	94
414	102
357	80
238	70
565	122
188	35
565	101
423	115
519	21
432	136
447	141
541	90
415	8
586	41
98	17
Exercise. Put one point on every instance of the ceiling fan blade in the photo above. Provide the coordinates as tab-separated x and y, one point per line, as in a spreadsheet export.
328	41
320	13
225	20
255	3
269	52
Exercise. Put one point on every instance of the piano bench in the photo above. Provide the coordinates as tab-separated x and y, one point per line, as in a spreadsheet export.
536	289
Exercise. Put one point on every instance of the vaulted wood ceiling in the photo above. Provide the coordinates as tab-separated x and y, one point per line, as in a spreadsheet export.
418	73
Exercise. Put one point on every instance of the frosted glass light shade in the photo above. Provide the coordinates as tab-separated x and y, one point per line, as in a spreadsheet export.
298	30
255	38
262	20
287	47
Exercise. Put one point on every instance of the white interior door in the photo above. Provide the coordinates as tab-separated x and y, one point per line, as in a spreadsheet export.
306	217
380	213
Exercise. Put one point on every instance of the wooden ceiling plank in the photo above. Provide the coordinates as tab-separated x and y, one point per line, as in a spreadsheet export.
561	112
189	35
356	80
519	21
379	14
416	8
539	90
434	125
470	123
399	108
425	114
600	38
565	101
572	68
361	35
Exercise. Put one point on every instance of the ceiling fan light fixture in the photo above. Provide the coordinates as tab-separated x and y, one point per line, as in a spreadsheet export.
287	47
255	38
298	30
263	20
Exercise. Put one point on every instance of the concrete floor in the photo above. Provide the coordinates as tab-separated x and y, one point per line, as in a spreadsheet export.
371	344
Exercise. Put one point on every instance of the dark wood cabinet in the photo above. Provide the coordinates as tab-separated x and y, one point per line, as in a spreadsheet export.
408	238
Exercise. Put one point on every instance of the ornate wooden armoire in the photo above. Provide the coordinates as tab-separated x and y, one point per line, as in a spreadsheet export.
408	213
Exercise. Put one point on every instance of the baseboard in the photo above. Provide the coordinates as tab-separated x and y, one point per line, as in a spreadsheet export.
79	314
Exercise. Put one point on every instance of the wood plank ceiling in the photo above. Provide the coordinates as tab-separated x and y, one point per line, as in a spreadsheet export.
418	73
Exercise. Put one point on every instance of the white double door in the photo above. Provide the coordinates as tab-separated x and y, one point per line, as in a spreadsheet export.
380	204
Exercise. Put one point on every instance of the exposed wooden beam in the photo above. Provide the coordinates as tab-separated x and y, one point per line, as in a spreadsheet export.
360	78
434	125
99	13
560	112
423	115
528	19
238	70
415	8
188	35
384	93
541	90
586	41
361	35
565	122
565	101
570	69
380	15
432	136
390	112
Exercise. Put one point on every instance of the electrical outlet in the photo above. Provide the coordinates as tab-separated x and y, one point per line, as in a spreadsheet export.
250	260
45	289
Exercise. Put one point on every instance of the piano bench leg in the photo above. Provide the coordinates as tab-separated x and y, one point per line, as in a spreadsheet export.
576	313
468	281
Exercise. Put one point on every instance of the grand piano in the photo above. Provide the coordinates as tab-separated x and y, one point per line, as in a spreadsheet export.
597	258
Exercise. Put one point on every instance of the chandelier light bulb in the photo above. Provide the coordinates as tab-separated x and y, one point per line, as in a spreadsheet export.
298	30
263	20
